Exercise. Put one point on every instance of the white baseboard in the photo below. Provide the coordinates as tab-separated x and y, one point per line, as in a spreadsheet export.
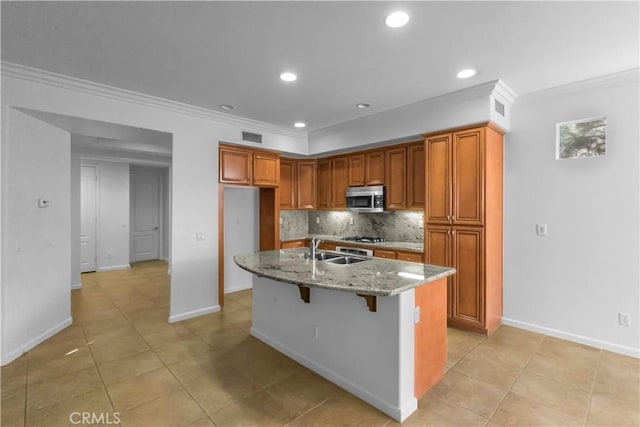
76	286
12	355
114	268
193	313
395	412
592	342
231	289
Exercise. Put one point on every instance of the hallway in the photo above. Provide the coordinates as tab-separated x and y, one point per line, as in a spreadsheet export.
122	361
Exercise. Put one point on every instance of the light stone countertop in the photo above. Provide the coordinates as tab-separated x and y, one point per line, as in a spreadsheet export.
375	276
401	246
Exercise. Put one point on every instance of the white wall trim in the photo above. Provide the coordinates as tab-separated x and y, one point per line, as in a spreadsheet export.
194	313
36	75
12	355
114	268
76	286
396	412
237	288
604	345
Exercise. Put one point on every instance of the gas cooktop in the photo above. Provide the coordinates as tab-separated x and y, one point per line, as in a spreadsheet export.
365	239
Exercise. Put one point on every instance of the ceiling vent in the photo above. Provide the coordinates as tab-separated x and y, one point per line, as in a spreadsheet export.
499	107
252	137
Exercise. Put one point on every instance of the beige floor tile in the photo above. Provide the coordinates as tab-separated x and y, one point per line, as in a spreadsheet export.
434	411
243	297
259	409
105	315
180	350
206	323
110	335
302	392
455	354
143	388
455	388
224	340
204	422
553	394
97	327
618	378
118	349
565	350
69	412
139	363
51	392
177	333
14	374
492	365
519	411
608	411
49	351
12	406
463	339
516	339
72	362
578	375
173	410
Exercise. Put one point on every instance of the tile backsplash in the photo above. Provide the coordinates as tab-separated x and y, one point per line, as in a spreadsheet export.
394	226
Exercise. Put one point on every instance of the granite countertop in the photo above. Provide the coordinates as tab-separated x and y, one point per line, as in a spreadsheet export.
401	246
375	276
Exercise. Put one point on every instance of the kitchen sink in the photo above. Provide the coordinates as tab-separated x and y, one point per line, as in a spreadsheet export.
345	260
325	256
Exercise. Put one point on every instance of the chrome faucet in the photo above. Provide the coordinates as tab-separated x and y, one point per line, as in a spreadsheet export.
314	246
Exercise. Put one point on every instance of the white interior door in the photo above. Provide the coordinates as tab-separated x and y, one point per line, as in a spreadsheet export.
145	216
88	218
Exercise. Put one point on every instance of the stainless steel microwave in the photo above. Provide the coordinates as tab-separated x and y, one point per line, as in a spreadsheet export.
366	199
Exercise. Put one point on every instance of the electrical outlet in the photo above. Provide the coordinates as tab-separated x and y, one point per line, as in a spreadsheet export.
624	319
199	236
315	332
541	229
281	221
350	220
317	220
416	315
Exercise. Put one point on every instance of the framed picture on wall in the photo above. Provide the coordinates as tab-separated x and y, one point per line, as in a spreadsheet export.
581	138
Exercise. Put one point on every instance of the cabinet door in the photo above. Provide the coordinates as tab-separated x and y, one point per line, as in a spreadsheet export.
327	246
415	176
292	244
438	179
468	177
356	171
339	182
306	185
266	169
437	251
235	166
384	254
468	283
324	184
374	168
288	184
396	178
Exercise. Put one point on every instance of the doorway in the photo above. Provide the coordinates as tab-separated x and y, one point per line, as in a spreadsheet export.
146	214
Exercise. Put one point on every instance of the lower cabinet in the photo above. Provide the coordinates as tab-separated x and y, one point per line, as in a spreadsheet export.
292	244
384	254
409	256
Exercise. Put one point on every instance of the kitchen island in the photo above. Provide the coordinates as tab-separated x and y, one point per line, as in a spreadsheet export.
376	328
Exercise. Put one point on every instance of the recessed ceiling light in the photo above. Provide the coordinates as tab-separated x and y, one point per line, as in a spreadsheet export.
226	107
397	19
465	74
363	105
288	77
300	124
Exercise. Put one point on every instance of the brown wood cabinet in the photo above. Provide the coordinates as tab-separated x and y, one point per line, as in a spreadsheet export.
327	246
288	184
409	256
306	184
374	168
235	166
243	166
292	244
356	175
324	184
384	254
463	216
396	178
339	182
415	176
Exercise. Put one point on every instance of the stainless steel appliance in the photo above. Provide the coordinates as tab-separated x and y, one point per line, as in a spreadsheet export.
354	251
366	199
364	239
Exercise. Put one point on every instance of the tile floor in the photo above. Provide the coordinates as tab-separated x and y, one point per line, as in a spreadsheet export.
121	360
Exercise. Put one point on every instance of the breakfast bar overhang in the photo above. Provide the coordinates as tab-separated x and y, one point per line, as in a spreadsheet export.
376	328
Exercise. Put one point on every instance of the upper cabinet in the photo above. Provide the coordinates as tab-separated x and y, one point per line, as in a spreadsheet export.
235	166
288	184
339	181
374	168
324	184
415	176
356	175
396	178
243	166
306	184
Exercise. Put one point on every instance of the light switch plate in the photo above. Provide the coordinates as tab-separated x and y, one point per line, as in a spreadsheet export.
541	229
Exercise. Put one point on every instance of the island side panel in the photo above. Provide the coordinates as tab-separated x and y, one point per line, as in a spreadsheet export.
369	354
430	344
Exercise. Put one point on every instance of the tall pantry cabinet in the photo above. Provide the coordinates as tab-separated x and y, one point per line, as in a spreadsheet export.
463	222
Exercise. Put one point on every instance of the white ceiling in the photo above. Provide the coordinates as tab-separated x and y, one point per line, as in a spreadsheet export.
211	53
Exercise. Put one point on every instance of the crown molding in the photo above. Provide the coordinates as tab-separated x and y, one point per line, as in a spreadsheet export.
62	81
608	80
504	92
